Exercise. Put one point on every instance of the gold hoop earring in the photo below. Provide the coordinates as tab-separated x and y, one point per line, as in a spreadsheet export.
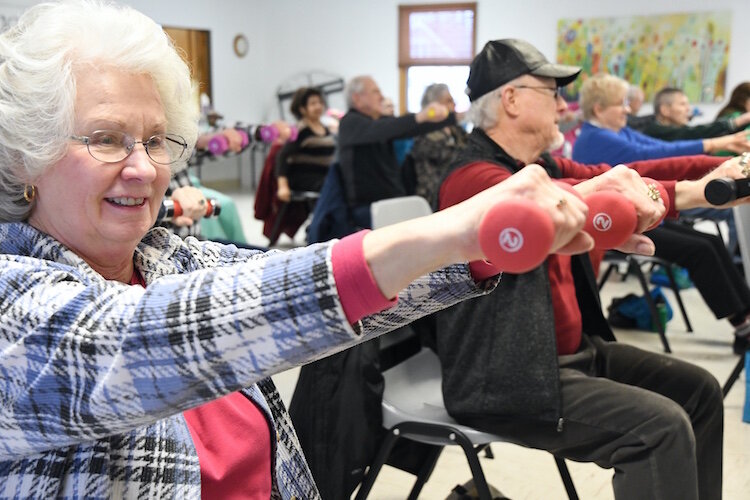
29	192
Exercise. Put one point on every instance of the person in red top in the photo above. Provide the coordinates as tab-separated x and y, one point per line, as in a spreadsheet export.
536	362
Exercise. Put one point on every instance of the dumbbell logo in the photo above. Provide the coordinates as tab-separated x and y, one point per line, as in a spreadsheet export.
602	222
511	239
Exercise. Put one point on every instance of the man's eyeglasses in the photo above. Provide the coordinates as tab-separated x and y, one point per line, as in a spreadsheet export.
555	90
112	146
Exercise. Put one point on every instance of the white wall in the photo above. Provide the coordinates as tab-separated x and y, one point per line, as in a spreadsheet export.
235	82
348	37
234	86
351	37
362	37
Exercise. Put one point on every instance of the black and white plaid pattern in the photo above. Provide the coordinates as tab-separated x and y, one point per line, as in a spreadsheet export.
96	373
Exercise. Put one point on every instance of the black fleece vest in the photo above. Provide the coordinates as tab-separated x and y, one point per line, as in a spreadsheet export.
499	352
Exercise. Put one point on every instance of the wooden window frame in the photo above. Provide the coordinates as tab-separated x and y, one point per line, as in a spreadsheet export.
404	59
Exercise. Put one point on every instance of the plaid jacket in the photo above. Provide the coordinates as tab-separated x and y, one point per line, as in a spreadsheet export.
96	373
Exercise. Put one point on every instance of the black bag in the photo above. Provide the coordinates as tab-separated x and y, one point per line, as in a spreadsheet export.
468	491
615	317
632	311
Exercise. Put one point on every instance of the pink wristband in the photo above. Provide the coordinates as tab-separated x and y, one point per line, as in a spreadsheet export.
358	291
482	270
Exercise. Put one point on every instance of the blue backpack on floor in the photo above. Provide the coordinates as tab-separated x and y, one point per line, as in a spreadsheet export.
632	311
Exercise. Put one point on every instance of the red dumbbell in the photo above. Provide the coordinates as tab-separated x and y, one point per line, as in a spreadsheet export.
516	235
171	208
611	220
612	217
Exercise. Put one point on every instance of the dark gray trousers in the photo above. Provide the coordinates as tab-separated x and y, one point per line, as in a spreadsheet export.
656	420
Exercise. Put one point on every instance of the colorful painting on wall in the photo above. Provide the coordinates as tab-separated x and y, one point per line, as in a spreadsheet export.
687	51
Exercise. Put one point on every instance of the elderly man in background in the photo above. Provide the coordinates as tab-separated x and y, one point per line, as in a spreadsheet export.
536	362
369	168
672	113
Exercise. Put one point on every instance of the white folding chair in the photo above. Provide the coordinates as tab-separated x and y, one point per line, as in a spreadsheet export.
393	210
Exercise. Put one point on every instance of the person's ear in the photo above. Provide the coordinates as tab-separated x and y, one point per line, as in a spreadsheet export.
509	98
597	109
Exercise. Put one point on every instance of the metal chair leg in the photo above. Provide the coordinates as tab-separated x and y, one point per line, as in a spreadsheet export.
676	290
483	490
606	274
566	479
636	269
276	231
734	375
374	470
424	473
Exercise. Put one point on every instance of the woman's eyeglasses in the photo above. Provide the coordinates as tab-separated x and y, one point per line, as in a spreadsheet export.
112	146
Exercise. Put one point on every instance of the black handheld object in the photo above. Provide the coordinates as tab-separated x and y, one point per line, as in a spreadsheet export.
724	190
171	209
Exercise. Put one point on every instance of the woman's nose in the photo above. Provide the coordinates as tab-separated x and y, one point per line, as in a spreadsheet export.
139	165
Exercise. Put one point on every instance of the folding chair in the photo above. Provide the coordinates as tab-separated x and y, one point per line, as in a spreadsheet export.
393	210
309	197
413	409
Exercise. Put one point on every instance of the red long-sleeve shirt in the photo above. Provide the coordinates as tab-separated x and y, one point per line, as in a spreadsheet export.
472	178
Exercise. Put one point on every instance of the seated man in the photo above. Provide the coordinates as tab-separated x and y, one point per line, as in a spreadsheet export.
535	362
672	112
369	168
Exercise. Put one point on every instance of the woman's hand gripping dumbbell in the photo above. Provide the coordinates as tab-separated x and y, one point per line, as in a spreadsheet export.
731	182
229	139
187	204
171	209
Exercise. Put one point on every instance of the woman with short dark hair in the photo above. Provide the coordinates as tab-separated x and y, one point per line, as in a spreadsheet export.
302	165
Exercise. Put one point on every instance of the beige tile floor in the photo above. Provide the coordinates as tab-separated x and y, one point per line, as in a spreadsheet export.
529	474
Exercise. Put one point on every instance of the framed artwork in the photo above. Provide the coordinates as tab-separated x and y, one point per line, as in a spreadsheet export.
687	51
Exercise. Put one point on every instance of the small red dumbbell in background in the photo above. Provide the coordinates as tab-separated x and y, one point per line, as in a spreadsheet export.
171	208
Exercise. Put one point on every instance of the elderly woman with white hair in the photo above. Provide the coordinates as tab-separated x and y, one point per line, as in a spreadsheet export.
135	364
606	138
